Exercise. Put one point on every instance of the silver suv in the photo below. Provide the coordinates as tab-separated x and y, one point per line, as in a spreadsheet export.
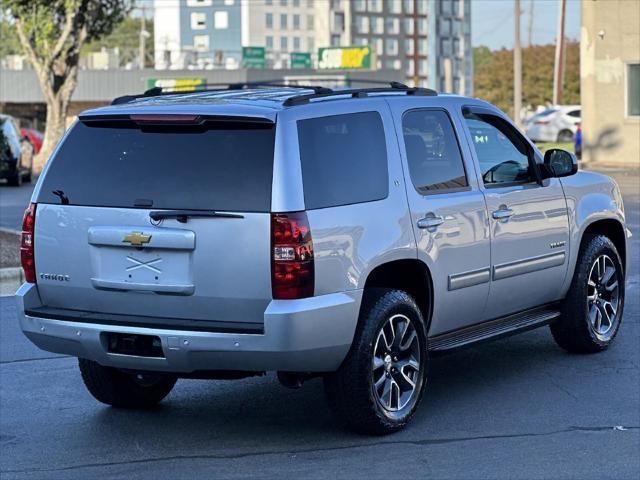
346	234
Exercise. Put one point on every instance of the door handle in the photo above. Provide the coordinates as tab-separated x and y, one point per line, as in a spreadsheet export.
430	221
502	213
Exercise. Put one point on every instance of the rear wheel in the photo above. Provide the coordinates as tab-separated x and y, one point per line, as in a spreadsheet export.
379	385
565	136
592	310
15	179
125	390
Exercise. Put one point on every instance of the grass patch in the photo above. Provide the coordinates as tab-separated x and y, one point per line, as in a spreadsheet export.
569	147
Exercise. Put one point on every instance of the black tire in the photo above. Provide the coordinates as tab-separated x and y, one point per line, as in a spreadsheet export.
14	180
125	390
565	136
575	331
26	178
350	390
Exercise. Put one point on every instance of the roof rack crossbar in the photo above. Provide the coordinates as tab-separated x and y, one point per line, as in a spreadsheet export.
360	93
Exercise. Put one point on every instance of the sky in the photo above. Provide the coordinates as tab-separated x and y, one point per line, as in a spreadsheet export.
492	22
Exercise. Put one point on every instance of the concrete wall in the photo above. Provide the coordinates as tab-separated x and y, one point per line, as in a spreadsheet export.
21	86
610	40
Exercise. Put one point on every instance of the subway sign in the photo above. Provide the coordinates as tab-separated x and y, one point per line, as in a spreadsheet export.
346	58
178	84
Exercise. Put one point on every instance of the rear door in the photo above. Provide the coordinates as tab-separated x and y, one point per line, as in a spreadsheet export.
448	214
528	218
99	250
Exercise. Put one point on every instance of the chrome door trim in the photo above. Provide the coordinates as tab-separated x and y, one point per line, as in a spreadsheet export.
469	279
528	265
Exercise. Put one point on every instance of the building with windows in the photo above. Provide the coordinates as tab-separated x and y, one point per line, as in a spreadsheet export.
610	82
428	40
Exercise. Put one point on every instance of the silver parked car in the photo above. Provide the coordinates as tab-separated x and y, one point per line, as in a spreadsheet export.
345	234
557	124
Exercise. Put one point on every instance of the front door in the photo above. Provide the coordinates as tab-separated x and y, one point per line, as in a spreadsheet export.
528	217
448	214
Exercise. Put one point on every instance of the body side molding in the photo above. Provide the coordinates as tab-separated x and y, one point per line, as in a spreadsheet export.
528	265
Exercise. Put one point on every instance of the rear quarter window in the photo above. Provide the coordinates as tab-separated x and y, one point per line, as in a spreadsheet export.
344	159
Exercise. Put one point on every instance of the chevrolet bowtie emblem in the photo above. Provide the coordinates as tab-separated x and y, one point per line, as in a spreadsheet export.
137	239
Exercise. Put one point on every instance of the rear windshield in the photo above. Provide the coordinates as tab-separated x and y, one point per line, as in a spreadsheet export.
224	166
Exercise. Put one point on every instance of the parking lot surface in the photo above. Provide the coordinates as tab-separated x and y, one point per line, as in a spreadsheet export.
515	408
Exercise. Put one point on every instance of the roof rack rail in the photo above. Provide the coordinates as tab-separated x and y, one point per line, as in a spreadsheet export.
360	93
221	87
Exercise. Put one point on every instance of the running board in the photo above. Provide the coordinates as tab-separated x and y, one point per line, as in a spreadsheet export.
493	329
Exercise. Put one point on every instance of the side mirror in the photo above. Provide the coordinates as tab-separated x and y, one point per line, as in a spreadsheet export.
559	163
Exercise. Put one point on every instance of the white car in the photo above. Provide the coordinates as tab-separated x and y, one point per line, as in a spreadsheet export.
556	124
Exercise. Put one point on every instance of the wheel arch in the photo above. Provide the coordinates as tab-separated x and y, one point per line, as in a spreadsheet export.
410	275
614	230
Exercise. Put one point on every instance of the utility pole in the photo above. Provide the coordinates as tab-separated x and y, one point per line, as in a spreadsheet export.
558	68
143	39
517	67
530	24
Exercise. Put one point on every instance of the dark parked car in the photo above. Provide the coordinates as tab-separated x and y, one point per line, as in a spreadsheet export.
16	153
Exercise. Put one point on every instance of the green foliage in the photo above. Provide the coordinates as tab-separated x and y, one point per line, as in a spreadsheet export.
493	75
45	23
126	37
9	43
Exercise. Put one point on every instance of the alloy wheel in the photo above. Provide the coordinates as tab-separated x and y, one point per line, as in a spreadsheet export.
603	296
396	363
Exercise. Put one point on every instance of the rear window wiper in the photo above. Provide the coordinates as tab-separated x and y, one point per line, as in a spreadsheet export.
183	215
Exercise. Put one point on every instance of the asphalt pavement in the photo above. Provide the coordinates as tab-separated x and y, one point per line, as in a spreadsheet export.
515	408
13	202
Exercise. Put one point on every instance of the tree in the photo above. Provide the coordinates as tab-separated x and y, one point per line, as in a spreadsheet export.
493	75
51	34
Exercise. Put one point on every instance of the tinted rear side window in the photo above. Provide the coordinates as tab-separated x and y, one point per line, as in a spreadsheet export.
344	159
433	154
227	166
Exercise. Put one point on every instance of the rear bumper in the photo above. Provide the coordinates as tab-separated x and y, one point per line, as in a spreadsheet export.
307	335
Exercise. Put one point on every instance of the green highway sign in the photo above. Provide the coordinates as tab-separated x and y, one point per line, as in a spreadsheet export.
253	57
300	60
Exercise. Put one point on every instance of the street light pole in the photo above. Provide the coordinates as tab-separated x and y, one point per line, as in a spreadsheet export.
517	68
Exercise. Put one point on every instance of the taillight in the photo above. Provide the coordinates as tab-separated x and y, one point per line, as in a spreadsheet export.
292	265
541	122
26	244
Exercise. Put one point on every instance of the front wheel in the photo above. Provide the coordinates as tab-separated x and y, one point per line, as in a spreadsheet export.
379	385
125	390
592	310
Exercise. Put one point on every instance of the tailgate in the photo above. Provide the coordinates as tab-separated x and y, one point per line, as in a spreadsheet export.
99	251
93	259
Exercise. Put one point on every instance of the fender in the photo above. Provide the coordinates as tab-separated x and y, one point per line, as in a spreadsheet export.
591	197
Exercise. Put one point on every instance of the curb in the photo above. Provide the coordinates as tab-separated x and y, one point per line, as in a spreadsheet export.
10	279
10	230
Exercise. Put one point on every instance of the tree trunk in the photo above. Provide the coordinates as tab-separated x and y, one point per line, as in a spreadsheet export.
57	109
55	127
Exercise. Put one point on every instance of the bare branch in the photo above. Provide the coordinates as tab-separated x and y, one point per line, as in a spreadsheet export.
26	45
64	35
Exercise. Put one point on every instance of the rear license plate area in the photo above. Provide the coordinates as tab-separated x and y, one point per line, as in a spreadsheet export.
133	344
